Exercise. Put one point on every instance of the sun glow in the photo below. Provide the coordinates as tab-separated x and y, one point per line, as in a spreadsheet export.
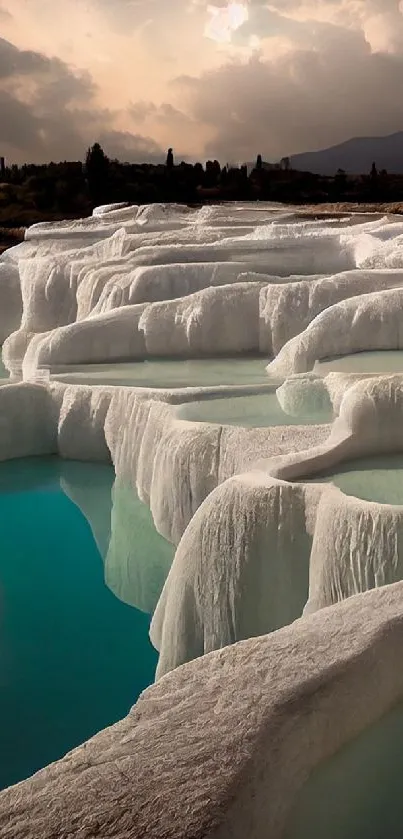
225	20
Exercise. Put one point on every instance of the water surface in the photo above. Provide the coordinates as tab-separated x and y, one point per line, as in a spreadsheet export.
377	479
379	361
168	373
357	794
73	657
257	410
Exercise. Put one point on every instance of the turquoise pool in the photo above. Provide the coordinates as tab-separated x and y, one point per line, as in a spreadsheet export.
73	657
378	478
168	373
259	410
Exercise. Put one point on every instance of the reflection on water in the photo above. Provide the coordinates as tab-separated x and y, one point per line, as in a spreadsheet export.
382	361
257	410
92	497
168	373
138	560
73	657
377	479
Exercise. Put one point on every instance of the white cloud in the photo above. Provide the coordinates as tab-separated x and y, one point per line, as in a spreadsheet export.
329	87
276	77
223	21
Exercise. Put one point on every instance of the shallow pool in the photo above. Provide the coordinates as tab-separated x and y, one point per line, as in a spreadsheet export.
73	657
382	361
357	794
377	479
257	410
168	373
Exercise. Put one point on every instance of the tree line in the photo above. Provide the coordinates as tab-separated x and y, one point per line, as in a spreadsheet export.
33	192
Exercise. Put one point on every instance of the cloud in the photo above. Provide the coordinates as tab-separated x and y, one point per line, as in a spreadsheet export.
165	113
225	20
126	16
129	147
328	87
297	75
48	112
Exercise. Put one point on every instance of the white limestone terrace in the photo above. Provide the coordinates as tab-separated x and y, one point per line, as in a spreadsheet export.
366	322
270	541
172	463
323	662
138	282
280	655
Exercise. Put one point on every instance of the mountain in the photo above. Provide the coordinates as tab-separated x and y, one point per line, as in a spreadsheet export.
354	156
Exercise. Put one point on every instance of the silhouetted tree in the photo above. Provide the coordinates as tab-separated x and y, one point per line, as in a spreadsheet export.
96	170
213	172
285	164
217	169
42	192
374	182
198	174
340	182
259	161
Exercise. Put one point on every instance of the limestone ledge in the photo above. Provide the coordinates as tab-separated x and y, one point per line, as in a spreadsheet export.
256	544
135	283
223	747
94	320
173	464
265	543
366	322
251	527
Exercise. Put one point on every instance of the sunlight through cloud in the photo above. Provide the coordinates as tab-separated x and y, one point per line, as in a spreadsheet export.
225	20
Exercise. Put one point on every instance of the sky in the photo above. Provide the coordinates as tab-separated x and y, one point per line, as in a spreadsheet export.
225	80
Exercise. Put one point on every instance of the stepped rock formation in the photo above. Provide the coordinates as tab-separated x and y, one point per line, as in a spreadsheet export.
280	622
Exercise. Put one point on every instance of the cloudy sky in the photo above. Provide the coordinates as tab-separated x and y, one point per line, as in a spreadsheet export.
211	79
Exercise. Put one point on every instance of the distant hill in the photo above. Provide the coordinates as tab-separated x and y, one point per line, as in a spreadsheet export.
355	156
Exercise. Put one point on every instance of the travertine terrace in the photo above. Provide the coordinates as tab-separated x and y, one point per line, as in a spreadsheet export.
280	624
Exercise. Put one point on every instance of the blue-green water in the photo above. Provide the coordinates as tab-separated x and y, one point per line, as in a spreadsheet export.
172	373
254	411
73	657
378	478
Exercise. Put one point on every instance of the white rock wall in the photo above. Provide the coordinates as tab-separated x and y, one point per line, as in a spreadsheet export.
238	732
288	309
368	322
214	321
10	299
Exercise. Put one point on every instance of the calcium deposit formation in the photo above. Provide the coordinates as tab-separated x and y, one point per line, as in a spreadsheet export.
277	711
